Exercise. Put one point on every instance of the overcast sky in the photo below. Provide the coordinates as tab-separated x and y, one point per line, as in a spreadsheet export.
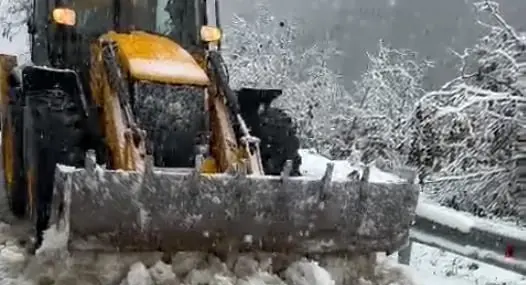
427	26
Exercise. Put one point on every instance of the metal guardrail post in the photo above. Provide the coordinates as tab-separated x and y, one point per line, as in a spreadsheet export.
404	255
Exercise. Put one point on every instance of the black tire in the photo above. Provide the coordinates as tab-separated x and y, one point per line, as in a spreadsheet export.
55	133
173	117
16	192
279	141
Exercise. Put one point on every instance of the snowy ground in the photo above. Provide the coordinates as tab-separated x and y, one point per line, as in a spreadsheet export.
53	265
428	267
436	267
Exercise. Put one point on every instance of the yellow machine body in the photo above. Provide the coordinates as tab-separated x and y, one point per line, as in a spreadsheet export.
137	139
156	58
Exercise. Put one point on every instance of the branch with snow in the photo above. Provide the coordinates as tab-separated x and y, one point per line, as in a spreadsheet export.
14	16
263	52
387	91
469	125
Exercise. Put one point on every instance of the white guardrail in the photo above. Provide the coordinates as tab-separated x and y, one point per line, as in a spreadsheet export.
499	244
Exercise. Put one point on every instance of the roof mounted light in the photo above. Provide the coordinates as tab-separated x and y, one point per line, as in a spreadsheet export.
210	34
64	16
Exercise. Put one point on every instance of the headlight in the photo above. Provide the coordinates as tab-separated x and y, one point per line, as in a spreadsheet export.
210	34
64	16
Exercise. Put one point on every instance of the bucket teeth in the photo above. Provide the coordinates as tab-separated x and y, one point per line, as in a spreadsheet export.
242	170
199	158
179	210
325	184
239	169
148	165
90	162
366	173
327	176
287	169
283	199
285	175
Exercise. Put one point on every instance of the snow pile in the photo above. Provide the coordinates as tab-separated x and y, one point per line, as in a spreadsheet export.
53	265
393	273
314	165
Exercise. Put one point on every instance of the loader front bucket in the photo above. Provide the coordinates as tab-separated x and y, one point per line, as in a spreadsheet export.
183	210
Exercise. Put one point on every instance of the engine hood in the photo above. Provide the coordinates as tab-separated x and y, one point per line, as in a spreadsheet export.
157	58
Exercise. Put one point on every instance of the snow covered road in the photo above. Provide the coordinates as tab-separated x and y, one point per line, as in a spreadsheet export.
433	266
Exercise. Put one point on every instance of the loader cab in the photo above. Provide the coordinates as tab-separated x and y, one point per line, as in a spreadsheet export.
66	45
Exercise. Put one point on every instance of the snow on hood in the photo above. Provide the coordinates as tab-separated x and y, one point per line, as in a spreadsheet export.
314	165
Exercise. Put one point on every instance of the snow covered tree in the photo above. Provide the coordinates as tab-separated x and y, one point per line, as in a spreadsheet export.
376	123
14	16
365	125
263	52
474	120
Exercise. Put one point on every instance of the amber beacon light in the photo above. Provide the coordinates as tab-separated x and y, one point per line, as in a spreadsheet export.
64	16
210	34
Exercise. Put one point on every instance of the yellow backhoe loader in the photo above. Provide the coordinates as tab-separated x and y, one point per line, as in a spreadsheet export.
123	129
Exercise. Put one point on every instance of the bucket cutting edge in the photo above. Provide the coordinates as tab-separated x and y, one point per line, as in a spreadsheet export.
183	210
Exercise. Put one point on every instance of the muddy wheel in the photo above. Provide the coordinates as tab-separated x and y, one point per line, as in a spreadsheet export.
173	119
279	141
54	134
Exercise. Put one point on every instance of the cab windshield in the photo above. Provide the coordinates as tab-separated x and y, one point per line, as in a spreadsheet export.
177	19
